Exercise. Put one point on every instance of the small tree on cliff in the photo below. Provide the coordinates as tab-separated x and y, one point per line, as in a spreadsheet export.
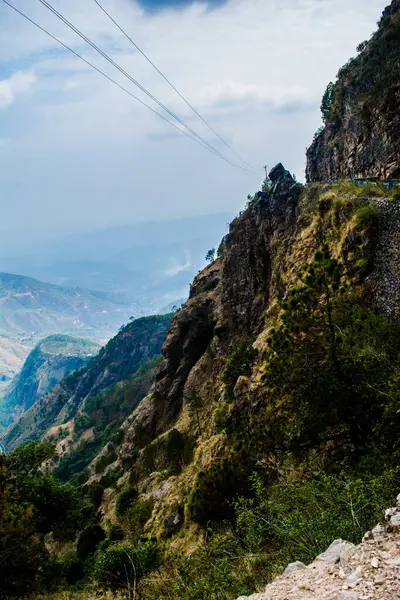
210	256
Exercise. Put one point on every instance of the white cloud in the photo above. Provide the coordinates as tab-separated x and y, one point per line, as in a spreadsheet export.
19	83
256	69
178	267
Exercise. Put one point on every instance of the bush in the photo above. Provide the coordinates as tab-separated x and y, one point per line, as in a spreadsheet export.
367	220
239	363
215	489
136	517
122	565
297	521
88	541
125	500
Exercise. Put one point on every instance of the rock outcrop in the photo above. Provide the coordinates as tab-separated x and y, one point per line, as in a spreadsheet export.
361	137
370	571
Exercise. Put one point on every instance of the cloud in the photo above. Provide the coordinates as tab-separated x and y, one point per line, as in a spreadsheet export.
82	152
19	83
178	267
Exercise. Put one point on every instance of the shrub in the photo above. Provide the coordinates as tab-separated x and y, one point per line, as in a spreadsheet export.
88	541
367	220
239	363
215	489
125	500
137	516
122	565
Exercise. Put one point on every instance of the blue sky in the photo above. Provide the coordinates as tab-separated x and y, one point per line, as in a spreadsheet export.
76	153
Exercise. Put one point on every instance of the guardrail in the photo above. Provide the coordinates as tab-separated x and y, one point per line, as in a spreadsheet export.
389	183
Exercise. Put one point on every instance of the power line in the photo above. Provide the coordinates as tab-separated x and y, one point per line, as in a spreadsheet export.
170	83
102	72
135	82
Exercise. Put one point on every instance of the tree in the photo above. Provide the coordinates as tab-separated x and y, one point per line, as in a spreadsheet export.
326	104
210	256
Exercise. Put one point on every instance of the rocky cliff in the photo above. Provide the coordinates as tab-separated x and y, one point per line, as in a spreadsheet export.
228	300
361	112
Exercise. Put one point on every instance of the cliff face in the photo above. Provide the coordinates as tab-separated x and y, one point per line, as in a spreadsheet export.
227	300
362	120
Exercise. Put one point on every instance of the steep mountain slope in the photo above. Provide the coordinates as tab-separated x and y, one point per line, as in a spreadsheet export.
137	342
362	123
49	362
31	307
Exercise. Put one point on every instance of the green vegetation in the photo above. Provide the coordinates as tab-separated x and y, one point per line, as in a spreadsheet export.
33	504
210	256
123	565
104	413
239	363
372	76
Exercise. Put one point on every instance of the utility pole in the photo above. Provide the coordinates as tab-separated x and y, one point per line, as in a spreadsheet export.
266	171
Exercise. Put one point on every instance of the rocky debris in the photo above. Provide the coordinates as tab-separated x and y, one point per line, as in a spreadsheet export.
370	571
385	277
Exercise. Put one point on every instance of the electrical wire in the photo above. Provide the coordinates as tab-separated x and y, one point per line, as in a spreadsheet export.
170	83
135	82
100	72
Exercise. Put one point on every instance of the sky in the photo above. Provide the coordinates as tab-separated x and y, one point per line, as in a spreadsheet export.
77	153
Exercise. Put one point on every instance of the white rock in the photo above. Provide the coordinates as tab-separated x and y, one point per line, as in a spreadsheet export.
254	597
348	596
354	577
395	519
294	566
332	554
378	533
398	500
389	512
375	563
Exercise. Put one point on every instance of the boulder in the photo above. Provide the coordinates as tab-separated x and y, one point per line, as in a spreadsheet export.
332	554
172	523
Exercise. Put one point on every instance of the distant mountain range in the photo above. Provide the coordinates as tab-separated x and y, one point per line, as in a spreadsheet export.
34	308
148	264
31	309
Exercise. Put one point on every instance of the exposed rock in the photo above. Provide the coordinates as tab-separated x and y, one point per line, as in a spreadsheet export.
335	550
172	523
227	299
362	134
294	566
385	276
